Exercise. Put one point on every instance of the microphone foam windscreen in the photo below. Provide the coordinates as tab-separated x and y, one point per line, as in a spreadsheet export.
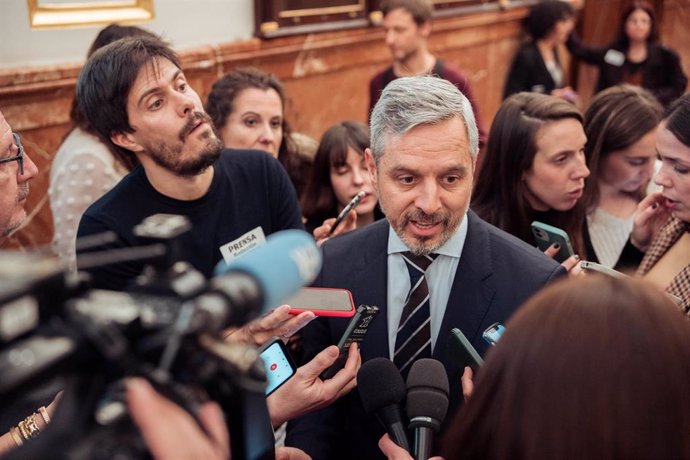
289	260
380	384
427	390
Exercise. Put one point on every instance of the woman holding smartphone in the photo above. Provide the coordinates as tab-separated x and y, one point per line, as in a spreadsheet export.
534	170
338	175
620	125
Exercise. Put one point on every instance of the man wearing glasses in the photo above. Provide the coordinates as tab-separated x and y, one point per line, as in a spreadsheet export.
16	170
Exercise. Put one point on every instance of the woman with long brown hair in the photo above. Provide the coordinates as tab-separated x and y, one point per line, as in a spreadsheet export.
534	169
247	107
620	124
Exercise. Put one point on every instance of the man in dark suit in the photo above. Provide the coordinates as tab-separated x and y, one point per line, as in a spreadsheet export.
421	161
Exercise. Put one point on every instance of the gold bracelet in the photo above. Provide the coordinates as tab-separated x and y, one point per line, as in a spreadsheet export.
23	430
15	436
30	425
44	413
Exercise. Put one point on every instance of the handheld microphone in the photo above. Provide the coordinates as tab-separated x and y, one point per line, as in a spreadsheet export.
266	276
381	389
427	403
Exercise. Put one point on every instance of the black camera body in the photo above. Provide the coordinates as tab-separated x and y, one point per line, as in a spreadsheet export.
167	329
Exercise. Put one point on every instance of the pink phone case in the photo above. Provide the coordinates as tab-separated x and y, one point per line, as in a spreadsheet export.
323	302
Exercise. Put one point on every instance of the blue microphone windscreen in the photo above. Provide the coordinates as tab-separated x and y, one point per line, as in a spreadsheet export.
288	261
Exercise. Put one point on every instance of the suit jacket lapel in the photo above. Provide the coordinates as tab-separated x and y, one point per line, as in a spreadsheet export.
371	279
472	291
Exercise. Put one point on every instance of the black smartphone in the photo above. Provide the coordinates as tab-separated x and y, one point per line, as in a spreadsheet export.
355	332
349	207
461	350
279	365
546	235
323	302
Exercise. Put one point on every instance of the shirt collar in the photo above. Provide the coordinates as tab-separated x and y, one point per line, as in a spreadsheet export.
452	247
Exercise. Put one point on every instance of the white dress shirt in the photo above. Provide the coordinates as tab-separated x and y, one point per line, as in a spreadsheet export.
439	278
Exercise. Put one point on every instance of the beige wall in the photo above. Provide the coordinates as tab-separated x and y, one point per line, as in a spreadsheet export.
185	23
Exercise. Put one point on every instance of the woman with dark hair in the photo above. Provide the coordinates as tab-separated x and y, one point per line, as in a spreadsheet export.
537	66
85	166
620	125
593	367
534	169
247	107
635	56
338	174
663	219
582	371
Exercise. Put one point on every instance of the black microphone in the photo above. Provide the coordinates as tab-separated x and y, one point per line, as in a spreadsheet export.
382	390
427	403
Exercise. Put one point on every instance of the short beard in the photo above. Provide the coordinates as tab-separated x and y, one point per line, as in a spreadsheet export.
168	156
423	246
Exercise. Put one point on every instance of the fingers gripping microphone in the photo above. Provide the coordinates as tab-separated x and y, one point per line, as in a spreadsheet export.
269	274
427	403
382	389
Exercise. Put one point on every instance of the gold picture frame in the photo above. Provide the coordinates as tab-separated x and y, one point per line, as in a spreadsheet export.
47	15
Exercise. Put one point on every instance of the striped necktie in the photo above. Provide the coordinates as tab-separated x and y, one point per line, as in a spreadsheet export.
413	338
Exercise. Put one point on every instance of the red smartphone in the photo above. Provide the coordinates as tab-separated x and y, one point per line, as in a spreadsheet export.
323	302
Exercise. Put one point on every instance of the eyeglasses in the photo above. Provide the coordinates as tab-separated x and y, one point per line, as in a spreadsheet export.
20	154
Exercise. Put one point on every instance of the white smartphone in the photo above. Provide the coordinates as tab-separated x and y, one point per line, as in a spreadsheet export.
595	267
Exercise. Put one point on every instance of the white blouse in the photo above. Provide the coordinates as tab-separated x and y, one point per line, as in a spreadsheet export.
83	170
608	234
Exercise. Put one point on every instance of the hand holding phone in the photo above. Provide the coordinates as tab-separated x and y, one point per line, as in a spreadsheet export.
546	235
279	365
355	332
346	210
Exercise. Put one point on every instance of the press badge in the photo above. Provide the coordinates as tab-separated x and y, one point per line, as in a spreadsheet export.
614	57
242	245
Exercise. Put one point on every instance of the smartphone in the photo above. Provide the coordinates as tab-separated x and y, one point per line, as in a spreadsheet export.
323	302
461	350
355	332
546	235
595	267
493	333
279	365
349	207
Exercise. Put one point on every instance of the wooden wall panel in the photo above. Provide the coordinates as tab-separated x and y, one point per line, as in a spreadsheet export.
326	76
675	31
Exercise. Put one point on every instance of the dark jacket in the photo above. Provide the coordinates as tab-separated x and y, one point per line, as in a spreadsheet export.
496	273
662	73
529	73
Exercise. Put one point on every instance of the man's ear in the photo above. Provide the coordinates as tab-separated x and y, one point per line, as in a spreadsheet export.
425	29
126	141
371	166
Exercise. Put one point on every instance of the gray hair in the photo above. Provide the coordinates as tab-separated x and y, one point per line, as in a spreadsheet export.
424	100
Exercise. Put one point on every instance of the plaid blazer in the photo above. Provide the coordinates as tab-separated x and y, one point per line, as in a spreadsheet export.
671	232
